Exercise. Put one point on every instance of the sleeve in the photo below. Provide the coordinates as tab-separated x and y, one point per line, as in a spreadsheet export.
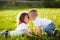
21	27
24	27
12	33
37	23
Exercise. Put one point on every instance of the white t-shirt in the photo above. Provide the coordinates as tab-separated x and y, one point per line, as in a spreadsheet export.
19	30
41	22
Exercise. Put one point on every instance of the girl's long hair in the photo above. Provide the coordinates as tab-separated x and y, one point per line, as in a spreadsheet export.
20	18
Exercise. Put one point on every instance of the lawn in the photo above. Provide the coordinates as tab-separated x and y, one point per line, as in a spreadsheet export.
8	21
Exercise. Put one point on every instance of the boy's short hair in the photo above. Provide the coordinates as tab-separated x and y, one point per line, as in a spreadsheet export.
33	12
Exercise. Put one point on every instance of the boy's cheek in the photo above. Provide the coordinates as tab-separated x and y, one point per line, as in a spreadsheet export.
30	18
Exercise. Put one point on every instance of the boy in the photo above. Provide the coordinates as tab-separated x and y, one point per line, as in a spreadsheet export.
41	23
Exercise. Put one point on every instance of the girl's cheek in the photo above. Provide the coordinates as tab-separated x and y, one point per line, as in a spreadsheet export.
27	20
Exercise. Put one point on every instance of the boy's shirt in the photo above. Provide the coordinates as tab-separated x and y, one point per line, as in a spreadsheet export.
41	22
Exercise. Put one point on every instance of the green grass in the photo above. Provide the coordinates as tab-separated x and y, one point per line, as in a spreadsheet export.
8	20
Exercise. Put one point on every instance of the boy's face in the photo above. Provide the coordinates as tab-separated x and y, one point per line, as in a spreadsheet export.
31	16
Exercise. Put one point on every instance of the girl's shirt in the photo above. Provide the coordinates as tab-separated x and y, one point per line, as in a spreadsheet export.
19	30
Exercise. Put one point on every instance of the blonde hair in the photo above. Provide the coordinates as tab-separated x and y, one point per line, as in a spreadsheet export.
33	12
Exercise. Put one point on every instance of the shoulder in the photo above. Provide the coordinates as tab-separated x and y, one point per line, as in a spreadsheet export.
37	20
22	24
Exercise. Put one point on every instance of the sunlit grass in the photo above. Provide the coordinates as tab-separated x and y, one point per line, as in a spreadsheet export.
8	20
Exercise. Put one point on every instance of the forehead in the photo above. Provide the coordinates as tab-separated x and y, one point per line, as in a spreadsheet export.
26	15
33	13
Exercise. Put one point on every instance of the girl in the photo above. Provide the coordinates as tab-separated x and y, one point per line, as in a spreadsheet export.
23	20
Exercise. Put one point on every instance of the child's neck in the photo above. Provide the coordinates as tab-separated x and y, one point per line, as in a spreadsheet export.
35	17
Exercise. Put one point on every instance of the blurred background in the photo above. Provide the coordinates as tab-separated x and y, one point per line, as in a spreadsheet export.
9	10
32	3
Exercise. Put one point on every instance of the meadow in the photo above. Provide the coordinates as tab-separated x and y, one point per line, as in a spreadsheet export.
8	21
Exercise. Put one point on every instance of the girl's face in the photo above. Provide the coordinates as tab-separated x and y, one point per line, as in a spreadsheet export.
26	19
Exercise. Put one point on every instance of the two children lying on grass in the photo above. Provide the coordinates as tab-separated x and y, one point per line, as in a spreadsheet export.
46	25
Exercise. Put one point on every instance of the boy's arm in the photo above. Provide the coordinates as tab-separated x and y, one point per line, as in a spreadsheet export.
38	30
